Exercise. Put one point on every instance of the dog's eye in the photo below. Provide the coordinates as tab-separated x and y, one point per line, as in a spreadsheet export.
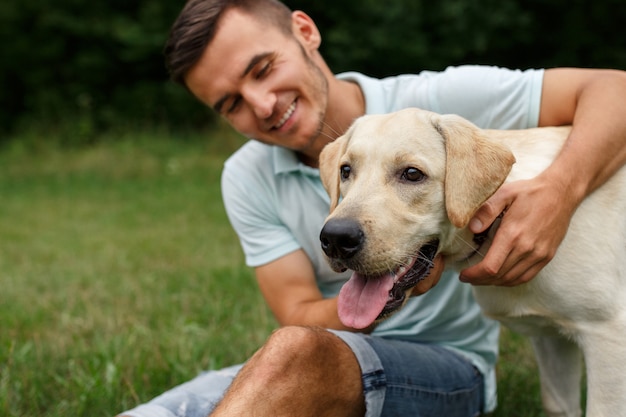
413	175
345	171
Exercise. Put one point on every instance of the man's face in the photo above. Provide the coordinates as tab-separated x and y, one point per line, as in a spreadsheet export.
263	82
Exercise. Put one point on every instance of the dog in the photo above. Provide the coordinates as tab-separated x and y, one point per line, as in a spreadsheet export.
403	187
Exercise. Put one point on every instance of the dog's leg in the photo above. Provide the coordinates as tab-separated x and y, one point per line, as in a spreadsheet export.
560	371
605	356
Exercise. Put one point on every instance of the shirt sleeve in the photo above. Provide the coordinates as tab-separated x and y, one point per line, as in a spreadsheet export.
491	97
250	204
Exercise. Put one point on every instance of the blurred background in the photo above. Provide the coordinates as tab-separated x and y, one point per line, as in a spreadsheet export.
77	68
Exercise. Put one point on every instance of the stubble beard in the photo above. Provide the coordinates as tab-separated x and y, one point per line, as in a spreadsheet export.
320	87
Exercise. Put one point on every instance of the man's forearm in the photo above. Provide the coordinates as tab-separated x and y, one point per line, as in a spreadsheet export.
596	147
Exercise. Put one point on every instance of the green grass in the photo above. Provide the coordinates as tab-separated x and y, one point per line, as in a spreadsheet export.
120	277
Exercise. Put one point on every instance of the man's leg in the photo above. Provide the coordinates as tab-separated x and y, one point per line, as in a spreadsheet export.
298	372
195	398
305	371
422	380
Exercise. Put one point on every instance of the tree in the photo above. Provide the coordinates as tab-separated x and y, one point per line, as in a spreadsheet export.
100	64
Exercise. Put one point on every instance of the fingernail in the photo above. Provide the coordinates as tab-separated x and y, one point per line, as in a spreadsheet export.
476	225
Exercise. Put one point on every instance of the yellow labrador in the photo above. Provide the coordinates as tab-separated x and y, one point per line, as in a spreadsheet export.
411	181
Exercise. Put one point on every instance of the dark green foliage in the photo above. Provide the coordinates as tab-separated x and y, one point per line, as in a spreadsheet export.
386	38
96	65
89	65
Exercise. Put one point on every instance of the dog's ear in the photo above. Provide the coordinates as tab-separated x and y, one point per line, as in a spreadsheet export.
330	169
475	167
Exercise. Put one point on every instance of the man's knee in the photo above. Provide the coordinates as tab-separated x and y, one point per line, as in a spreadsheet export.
297	343
318	359
309	369
309	349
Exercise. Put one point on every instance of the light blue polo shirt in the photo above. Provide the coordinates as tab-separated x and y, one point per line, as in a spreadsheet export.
278	205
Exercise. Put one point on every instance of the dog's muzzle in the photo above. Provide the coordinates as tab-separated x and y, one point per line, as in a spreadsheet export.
368	296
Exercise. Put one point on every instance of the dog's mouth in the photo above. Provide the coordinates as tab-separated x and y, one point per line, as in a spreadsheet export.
367	298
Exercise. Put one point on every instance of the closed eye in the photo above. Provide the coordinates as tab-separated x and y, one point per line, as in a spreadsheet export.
264	70
234	105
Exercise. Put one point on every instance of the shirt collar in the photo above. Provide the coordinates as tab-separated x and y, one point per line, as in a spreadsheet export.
286	161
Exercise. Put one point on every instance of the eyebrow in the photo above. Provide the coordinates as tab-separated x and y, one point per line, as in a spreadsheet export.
251	64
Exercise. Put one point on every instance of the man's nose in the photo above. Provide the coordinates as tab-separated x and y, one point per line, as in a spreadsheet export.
260	101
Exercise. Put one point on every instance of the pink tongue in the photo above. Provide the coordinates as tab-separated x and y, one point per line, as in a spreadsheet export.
361	299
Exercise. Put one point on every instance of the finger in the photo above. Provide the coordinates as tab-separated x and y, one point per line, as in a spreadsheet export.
522	272
489	211
492	266
513	273
431	279
524	261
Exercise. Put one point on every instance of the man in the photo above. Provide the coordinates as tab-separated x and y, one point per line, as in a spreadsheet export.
257	64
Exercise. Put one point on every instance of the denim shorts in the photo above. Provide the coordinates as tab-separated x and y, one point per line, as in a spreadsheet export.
400	378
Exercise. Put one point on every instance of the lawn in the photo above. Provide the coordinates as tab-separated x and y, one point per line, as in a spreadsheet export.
120	277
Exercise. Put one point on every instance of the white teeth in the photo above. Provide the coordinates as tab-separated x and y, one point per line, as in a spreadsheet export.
402	270
286	116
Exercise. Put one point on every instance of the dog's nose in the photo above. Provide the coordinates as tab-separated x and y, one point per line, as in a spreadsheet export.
341	238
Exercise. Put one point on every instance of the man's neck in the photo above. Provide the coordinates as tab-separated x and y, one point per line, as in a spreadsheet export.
345	103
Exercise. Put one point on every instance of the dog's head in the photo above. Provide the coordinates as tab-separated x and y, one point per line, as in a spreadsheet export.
410	182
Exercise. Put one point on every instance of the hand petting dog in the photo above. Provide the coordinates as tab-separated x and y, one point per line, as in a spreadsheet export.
536	218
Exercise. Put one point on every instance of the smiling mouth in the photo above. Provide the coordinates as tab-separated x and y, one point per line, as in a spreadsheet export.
367	298
408	277
286	116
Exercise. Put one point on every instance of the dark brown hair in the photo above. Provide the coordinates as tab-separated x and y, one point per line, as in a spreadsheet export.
197	23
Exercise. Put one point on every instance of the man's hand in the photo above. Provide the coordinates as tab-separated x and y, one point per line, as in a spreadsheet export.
537	214
431	279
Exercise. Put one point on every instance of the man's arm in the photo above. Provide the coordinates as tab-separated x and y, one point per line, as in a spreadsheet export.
289	288
538	211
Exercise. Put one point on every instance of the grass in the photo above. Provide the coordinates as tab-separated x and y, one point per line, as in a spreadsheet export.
120	277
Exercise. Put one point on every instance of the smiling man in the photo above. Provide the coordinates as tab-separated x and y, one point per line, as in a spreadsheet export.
277	88
258	65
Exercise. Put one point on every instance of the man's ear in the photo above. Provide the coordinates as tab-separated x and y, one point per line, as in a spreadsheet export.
475	167
330	168
305	29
